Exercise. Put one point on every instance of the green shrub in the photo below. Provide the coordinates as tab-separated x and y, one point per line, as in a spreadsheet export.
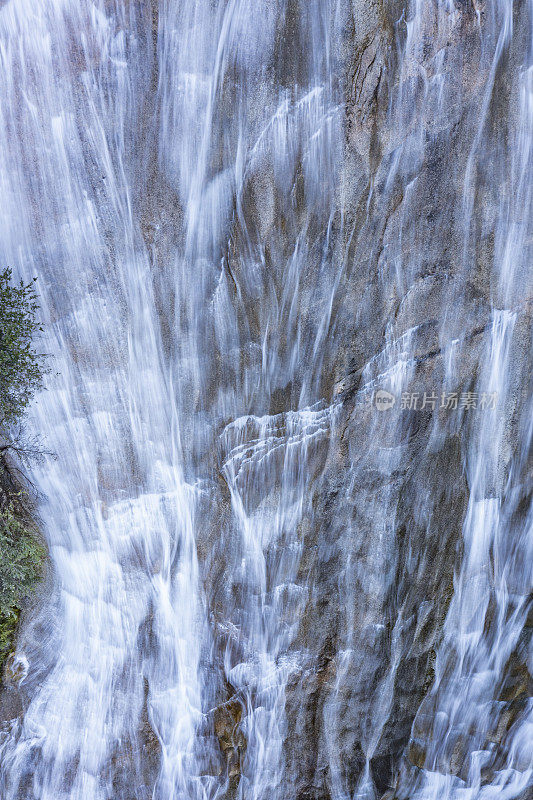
8	629
21	563
21	375
21	368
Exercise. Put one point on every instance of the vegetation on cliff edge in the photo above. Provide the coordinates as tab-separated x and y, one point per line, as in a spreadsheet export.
21	374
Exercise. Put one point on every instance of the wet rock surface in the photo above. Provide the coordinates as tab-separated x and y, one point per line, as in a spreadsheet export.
314	598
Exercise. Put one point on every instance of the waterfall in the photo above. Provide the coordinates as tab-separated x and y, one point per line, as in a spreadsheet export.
247	218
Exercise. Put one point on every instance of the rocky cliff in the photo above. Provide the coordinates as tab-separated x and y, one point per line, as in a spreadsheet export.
291	298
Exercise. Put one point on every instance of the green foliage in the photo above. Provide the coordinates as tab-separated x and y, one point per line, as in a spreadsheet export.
21	563
21	368
21	375
21	558
8	629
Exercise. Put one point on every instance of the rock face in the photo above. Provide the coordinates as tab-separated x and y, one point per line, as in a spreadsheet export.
424	130
268	586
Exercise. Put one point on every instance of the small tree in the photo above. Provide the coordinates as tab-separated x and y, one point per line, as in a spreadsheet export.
21	367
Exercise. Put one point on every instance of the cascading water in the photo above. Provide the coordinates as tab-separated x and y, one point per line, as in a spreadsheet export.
247	218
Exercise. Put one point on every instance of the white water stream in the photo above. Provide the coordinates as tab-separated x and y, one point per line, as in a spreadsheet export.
172	174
